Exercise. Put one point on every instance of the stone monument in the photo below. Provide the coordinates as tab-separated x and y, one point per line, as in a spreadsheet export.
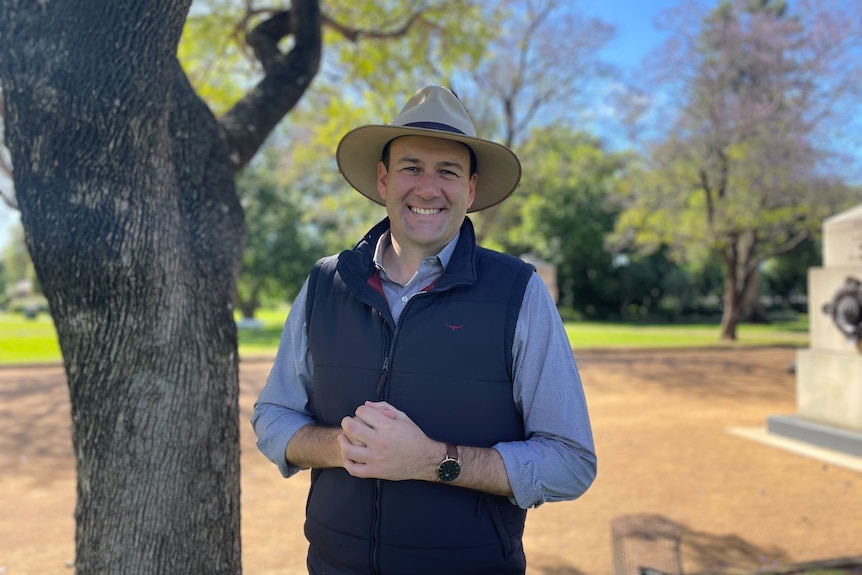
829	373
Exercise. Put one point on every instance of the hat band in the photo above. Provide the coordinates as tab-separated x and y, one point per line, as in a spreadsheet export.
434	126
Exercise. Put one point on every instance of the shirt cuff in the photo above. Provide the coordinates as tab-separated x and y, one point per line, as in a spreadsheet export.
523	475
275	439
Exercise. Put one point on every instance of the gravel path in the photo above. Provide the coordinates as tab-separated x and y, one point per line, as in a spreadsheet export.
660	419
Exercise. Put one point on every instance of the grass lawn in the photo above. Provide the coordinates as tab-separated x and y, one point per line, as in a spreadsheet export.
587	335
35	341
27	340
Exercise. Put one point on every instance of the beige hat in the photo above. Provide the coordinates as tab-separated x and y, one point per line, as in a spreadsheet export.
432	111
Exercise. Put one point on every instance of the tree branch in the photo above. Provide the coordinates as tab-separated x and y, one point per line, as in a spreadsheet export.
356	34
288	75
264	38
787	246
5	167
707	190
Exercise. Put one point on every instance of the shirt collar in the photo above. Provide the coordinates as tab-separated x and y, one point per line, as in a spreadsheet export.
443	256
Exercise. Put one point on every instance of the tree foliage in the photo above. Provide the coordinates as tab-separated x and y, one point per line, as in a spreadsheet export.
15	267
562	212
376	52
16	260
281	245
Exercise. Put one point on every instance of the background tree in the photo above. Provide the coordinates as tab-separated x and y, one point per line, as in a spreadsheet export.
741	171
281	246
540	70
652	287
22	292
15	259
562	214
565	210
785	277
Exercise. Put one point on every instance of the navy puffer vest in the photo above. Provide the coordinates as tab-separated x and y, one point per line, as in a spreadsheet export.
448	366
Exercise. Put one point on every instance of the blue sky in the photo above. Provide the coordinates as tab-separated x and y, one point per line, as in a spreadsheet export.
635	37
636	34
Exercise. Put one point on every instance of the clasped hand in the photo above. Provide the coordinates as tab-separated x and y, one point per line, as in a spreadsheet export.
384	443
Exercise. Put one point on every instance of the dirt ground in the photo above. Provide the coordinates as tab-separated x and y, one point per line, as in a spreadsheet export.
660	419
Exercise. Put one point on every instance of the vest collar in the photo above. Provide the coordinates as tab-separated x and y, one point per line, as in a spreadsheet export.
460	270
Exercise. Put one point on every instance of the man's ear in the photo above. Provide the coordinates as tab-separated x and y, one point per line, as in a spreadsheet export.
382	180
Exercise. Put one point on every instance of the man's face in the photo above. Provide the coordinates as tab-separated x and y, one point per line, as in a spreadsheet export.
427	191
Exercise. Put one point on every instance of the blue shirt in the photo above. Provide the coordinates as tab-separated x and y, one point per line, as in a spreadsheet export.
556	462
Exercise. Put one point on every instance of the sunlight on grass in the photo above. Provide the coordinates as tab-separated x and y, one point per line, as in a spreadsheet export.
263	341
24	341
585	335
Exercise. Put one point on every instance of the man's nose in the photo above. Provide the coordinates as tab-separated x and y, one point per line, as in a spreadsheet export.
427	186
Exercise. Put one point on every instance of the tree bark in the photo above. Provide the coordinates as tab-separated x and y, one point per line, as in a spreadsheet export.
124	180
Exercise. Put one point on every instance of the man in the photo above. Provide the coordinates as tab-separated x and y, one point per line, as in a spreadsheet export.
428	383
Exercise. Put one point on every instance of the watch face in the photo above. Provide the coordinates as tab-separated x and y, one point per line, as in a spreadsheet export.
448	470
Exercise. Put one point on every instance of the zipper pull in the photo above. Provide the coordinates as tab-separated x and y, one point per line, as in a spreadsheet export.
384	376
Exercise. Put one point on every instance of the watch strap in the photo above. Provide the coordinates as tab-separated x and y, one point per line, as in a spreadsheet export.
451	451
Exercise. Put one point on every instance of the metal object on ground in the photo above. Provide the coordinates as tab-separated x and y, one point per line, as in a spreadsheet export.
646	544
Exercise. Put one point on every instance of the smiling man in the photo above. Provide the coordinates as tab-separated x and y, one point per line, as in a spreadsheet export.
427	382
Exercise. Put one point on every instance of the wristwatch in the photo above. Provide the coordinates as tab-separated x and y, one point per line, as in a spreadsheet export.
450	468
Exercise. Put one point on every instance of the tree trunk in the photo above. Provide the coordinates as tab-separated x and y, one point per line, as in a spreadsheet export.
248	307
732	311
753	310
131	219
740	274
125	185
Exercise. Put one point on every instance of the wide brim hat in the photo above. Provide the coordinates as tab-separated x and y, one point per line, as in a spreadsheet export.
436	112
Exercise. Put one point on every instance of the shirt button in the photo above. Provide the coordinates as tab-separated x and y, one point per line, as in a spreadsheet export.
405	299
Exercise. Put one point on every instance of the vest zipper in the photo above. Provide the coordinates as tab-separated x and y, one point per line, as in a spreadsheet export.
378	483
390	349
375	527
381	395
384	370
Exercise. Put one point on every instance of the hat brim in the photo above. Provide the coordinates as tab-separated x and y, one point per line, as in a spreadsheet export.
360	150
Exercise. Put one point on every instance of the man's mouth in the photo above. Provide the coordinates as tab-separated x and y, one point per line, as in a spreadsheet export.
425	211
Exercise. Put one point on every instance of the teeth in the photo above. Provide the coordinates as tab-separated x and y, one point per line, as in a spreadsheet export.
425	211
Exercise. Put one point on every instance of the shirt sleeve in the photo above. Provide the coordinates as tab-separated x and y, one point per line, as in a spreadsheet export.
557	461
283	405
